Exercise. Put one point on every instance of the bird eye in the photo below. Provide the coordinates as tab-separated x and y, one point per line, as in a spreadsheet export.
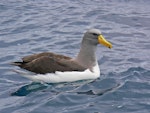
95	34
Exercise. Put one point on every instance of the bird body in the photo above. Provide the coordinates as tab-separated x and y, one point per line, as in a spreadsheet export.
54	68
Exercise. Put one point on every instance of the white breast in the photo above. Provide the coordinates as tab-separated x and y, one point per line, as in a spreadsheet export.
58	77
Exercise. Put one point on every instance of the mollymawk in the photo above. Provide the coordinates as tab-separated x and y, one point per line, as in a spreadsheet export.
54	68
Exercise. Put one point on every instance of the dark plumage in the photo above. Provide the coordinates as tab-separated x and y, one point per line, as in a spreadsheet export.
47	62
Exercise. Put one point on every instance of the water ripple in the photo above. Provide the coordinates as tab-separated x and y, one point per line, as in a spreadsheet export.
31	26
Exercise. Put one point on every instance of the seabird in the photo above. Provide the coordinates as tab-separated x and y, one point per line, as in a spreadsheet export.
54	68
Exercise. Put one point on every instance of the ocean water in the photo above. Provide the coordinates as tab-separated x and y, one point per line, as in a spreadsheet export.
34	26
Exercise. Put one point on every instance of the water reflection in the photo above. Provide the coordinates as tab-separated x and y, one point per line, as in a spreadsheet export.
27	89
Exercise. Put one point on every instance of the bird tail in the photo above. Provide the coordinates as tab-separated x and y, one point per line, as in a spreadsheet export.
29	75
16	63
23	72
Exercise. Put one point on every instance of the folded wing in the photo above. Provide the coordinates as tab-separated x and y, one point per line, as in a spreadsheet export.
49	63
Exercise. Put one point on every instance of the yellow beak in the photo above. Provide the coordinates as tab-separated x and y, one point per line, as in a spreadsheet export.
104	42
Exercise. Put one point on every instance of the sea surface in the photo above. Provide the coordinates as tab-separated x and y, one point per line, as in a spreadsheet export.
34	26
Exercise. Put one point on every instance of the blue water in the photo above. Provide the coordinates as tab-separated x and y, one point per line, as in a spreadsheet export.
33	26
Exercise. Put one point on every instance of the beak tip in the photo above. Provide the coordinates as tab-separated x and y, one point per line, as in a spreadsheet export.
110	47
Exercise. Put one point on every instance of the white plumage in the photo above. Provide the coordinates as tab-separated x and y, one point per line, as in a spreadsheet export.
58	77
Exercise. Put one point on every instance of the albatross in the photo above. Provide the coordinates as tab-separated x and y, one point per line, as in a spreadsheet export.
50	67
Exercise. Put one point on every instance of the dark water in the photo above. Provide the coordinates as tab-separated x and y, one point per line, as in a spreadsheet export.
32	26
